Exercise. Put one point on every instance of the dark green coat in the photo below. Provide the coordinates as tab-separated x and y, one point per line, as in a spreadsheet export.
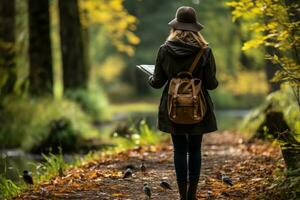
174	57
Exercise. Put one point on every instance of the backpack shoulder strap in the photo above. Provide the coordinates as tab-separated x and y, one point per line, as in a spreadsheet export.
196	60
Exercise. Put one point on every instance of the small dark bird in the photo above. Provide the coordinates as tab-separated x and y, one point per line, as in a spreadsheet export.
226	179
27	177
127	173
165	185
147	190
142	167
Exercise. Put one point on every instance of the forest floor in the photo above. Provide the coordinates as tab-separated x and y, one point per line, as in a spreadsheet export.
250	165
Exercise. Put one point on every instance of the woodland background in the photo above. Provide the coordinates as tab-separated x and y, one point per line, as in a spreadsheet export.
69	82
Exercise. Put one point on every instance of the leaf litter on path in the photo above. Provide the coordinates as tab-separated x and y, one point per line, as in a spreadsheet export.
250	166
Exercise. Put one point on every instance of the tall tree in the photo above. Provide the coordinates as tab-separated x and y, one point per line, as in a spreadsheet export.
270	67
75	71
245	61
40	57
7	46
294	17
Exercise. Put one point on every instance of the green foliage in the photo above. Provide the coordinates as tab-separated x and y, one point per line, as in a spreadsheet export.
276	25
225	99
119	26
282	100
25	121
142	135
286	185
92	101
8	188
285	101
53	166
147	136
61	134
225	42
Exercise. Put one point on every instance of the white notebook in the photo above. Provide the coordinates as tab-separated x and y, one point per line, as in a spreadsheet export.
148	69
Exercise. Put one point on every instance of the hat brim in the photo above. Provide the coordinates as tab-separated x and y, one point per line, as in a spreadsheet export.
186	26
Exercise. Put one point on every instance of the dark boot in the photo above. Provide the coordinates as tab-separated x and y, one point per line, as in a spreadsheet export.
192	191
182	188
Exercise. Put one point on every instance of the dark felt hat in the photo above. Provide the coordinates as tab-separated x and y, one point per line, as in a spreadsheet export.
186	19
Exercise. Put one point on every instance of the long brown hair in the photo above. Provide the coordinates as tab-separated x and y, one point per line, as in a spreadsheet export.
184	35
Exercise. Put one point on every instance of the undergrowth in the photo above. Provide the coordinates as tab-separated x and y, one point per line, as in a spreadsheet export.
283	101
286	185
25	122
55	165
142	135
93	101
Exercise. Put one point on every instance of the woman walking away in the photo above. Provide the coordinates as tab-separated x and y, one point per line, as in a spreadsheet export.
187	65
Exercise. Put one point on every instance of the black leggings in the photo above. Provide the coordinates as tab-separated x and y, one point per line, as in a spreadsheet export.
187	157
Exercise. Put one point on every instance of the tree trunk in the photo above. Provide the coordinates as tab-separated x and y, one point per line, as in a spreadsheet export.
7	47
86	53
75	72
271	69
40	58
294	16
245	61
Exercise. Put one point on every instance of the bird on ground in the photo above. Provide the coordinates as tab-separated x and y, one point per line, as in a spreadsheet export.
147	190
165	185
226	179
27	177
143	167
127	173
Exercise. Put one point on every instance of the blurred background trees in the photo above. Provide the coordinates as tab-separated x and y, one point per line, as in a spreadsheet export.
40	55
276	27
74	61
109	47
68	75
74	67
7	47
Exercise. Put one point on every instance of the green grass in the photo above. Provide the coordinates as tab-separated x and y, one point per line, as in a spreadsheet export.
43	171
142	135
53	166
8	188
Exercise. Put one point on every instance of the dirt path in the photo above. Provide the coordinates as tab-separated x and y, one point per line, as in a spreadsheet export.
249	165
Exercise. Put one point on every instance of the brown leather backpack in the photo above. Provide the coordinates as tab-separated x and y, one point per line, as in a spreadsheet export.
186	102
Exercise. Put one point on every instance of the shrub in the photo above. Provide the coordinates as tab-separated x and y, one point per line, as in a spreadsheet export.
93	101
25	121
61	134
283	101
